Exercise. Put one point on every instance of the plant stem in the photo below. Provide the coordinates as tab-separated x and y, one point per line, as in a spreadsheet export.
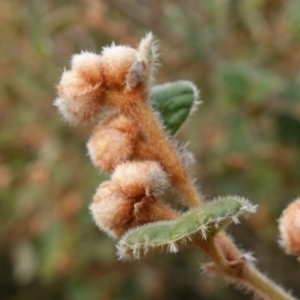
228	258
259	282
240	271
165	153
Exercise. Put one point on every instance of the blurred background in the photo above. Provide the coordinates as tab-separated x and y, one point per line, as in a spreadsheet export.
245	58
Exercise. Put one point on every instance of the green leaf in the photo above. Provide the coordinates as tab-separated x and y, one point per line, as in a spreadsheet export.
174	101
198	223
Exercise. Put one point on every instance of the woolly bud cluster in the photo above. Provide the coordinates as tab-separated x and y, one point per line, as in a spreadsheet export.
98	80
130	198
116	79
81	91
289	227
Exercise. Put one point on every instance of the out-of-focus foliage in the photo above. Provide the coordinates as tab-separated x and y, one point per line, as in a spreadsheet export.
245	58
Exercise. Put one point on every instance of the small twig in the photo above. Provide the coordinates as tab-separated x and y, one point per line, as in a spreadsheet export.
241	271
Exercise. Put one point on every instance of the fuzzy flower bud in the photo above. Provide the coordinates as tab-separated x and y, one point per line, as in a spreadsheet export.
88	65
111	209
117	61
289	227
115	213
95	80
80	90
149	54
112	141
138	179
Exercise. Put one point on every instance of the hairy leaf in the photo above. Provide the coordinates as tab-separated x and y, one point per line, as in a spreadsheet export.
198	223
174	101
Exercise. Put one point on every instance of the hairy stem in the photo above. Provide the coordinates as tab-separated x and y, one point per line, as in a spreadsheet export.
242	272
259	282
165	153
227	257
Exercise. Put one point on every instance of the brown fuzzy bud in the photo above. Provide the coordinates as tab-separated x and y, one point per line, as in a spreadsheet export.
95	80
88	65
139	179
111	209
117	61
115	213
112	141
149	55
80	93
289	227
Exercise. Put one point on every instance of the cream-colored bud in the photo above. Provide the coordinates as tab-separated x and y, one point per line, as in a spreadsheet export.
115	213
148	50
112	141
111	210
117	61
289	227
88	66
80	91
138	179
